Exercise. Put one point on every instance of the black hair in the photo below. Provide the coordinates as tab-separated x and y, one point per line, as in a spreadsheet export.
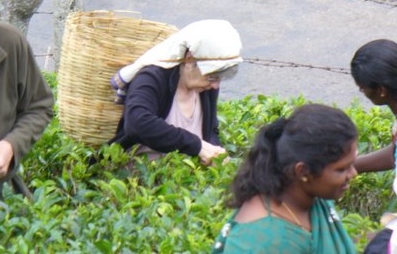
375	64
314	134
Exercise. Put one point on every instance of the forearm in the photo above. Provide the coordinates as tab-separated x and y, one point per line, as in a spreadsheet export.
27	130
155	133
379	160
172	139
31	121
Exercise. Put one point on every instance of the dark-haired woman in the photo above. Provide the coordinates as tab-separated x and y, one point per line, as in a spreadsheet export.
284	191
374	69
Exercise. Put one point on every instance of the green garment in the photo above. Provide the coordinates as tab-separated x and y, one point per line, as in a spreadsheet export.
276	235
26	100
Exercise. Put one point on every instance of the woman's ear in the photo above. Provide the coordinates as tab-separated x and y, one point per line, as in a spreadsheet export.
383	92
189	60
302	172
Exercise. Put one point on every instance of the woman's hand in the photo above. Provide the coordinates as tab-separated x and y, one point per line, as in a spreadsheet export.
209	151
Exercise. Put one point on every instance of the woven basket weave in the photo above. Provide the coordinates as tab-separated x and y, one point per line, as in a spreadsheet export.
95	46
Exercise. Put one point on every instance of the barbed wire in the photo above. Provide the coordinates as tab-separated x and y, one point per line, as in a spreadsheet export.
44	12
282	64
384	2
269	63
43	55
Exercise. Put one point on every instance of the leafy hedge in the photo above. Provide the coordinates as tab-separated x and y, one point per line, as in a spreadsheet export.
125	204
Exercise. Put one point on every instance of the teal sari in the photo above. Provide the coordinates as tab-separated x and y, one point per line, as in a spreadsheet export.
276	235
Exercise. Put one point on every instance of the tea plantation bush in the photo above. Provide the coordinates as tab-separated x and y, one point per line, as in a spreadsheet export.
126	204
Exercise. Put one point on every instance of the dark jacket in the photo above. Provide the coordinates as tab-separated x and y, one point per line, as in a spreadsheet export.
379	244
26	100
148	102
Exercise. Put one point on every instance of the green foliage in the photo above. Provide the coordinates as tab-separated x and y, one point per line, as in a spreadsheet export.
127	204
239	120
373	126
360	228
370	194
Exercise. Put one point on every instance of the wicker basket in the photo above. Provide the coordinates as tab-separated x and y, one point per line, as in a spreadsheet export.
95	46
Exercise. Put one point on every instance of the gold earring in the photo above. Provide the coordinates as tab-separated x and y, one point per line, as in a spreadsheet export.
304	179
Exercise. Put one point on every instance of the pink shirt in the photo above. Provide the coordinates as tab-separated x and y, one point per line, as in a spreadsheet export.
177	119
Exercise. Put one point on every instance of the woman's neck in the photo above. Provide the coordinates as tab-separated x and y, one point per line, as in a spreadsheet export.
185	94
296	208
297	199
187	101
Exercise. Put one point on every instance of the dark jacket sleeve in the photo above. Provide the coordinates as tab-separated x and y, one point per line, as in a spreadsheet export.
147	104
35	100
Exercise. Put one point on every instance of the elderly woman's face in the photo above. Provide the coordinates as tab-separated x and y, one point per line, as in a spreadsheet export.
194	80
335	178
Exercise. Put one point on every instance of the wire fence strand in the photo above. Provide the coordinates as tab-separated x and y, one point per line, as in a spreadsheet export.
283	64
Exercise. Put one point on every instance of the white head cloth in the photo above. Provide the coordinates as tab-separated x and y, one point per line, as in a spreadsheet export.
214	43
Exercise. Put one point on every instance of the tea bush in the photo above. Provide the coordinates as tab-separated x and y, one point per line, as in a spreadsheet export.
127	204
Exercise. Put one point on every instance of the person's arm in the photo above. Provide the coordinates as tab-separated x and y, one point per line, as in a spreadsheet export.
34	106
209	101
379	160
147	97
209	151
211	145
